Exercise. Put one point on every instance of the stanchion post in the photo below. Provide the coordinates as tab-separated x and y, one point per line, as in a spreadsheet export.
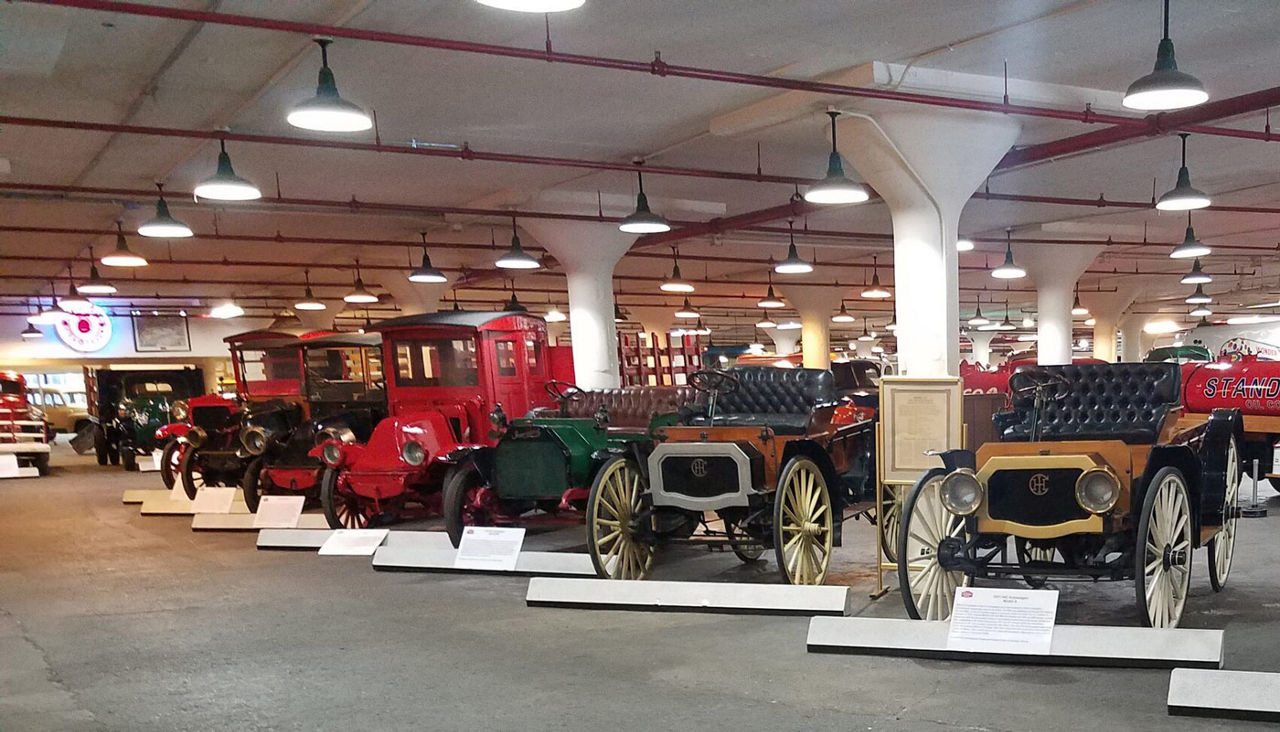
1255	509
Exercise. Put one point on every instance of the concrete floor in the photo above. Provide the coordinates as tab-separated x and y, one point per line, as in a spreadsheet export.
111	620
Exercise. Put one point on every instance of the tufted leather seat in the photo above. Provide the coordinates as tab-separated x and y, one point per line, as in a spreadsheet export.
1124	401
632	406
782	399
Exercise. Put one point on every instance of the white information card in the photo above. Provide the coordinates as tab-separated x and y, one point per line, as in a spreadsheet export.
278	512
997	620
9	466
213	500
491	548
353	542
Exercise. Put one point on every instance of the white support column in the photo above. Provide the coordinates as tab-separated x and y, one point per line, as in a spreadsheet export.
1055	269
981	346
926	164
414	298
814	306
654	320
1105	309
1131	332
863	349
587	252
784	341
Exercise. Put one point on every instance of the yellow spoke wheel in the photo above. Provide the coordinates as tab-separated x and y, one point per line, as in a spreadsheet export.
802	522
927	589
616	498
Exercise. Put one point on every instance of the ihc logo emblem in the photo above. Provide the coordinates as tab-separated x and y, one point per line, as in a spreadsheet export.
1039	484
698	467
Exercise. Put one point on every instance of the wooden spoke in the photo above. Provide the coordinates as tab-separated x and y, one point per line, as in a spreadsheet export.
616	498
928	589
1163	566
1222	545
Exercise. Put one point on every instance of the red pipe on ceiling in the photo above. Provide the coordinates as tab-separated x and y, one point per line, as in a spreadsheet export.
655	67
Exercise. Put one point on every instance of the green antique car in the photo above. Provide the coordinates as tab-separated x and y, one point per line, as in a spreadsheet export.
543	466
131	405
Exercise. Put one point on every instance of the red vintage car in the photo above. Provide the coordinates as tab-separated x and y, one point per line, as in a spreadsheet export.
23	432
446	372
978	380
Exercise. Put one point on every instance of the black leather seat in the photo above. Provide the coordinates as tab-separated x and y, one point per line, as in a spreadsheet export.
1123	401
781	399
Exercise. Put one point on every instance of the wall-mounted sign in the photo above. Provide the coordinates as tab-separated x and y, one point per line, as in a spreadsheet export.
86	331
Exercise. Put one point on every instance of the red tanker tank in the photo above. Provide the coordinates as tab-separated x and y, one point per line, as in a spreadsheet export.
1251	386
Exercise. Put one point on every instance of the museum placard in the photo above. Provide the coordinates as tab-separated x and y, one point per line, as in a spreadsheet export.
918	415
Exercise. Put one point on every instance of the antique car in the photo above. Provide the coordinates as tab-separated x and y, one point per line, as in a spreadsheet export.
23	431
131	405
329	387
545	464
66	410
772	452
1247	384
1093	478
446	371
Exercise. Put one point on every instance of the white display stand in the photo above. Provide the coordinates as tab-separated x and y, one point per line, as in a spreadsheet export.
431	551
176	503
138	495
712	597
279	512
489	548
1073	645
151	464
353	542
213	500
1250	695
305	540
9	468
244	522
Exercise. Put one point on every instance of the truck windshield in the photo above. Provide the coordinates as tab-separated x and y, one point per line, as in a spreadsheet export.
435	362
343	372
270	371
10	387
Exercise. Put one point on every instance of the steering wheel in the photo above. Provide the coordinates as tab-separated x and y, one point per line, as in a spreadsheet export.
1035	379
562	391
714	381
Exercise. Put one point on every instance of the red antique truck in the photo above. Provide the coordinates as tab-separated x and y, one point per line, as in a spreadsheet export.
1250	385
23	432
446	373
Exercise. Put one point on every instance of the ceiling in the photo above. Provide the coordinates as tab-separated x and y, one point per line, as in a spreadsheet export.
83	65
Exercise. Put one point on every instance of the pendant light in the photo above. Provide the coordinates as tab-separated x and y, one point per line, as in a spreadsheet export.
835	187
978	318
765	321
1199	297
770	300
875	291
1008	270
308	301
534	6
515	257
359	294
686	311
31	332
1196	276
793	264
866	335
554	315
842	315
95	285
1203	322
226	310
73	302
1200	311
964	245
326	111
1078	308
1030	322
1006	324
43	315
1183	197
1165	88
790	325
892	325
426	273
164	226
700	329
122	257
225	185
514	305
1190	246
619	315
675	283
1091	322
642	220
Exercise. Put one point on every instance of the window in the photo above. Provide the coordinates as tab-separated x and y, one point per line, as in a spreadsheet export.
10	387
150	388
36	398
270	371
506	351
77	398
533	353
54	399
435	362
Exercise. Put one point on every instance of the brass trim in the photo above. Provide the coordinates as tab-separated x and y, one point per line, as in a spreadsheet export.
1115	479
988	525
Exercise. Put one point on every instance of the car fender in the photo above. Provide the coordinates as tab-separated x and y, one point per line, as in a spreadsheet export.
811	450
1223	425
478	456
1185	460
171	430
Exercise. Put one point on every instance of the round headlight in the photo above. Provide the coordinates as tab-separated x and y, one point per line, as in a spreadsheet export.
413	453
122	411
254	440
961	492
341	434
1097	490
331	454
195	437
180	411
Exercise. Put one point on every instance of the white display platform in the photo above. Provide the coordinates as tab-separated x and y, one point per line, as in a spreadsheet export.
244	521
178	504
712	597
431	551
1251	695
306	540
1073	645
138	495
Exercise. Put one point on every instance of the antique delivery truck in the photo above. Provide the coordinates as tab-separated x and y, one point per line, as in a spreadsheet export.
131	406
23	432
446	372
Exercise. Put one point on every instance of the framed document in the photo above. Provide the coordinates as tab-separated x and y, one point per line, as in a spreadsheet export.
918	415
160	333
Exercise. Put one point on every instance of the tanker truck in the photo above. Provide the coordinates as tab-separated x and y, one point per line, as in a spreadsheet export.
1250	385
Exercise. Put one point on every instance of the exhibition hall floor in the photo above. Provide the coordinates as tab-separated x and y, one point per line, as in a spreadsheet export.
112	620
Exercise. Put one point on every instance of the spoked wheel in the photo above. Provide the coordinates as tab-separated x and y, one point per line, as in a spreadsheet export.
889	521
461	490
342	508
614	504
171	462
252	484
802	523
927	589
1162	571
744	546
1029	552
189	471
1223	545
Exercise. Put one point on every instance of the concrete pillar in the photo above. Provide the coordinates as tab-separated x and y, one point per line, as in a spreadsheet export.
814	306
320	319
1054	268
982	346
863	349
784	341
587	252
926	164
654	320
1106	307
1131	332
414	298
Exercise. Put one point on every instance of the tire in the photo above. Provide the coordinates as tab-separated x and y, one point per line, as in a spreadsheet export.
170	460
744	547
42	464
189	473
249	484
1223	544
889	521
930	594
458	508
614	541
113	454
129	460
1162	557
100	447
803	531
341	509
